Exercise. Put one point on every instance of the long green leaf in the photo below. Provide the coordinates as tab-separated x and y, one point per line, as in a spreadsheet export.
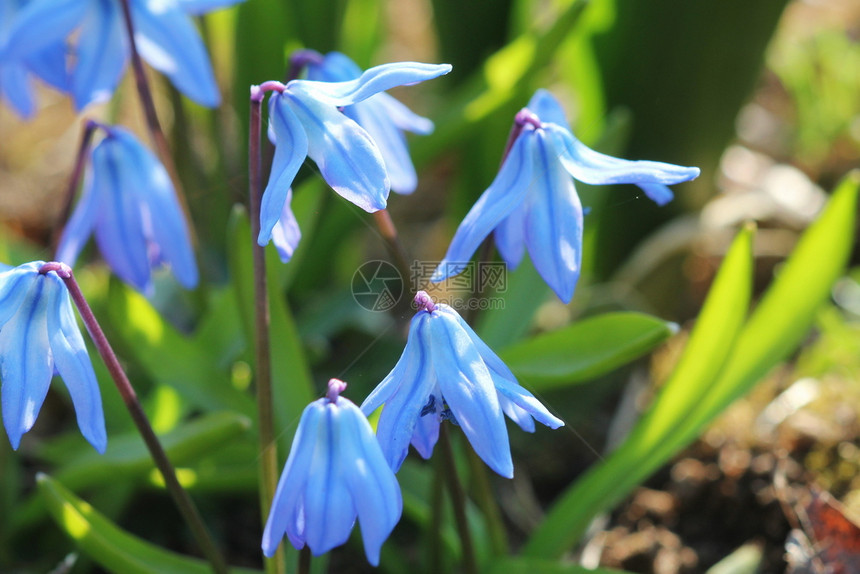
169	357
109	545
585	350
710	345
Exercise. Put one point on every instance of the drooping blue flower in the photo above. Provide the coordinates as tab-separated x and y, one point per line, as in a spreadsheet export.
286	233
383	117
335	473
38	334
305	121
532	204
164	33
129	204
447	372
48	64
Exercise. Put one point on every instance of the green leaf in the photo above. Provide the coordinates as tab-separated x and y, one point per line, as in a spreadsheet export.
710	344
527	565
586	349
169	357
128	459
113	548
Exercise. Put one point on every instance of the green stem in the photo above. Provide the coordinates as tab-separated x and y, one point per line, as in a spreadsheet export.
483	493
458	501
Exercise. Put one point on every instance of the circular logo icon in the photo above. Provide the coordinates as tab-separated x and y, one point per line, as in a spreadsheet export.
377	286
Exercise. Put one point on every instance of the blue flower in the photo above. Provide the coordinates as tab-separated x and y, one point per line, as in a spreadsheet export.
334	473
447	373
305	120
164	33
286	233
38	334
48	64
383	117
129	203
532	204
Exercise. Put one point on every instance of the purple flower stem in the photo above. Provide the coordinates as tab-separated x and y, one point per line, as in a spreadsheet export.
262	346
74	181
180	495
155	131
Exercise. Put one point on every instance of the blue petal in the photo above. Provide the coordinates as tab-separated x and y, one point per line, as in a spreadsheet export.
197	7
81	223
102	53
596	168
510	238
526	401
348	159
290	152
16	89
286	233
25	363
517	414
467	387
43	23
371	482
372	81
403	409
73	363
329	511
167	39
403	117
553	231
284	515
118	228
50	65
426	433
504	195
371	115
544	105
493	362
164	220
335	67
389	385
657	192
15	283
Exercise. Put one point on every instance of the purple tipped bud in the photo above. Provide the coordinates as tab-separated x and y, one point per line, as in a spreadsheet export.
424	302
335	388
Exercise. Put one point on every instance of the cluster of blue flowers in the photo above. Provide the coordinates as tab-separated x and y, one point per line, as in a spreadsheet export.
338	470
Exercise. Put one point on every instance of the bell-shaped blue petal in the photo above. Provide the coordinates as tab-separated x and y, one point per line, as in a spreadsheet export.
102	54
42	24
347	157
131	206
533	205
39	334
505	194
447	372
335	472
286	233
383	117
169	42
372	81
291	147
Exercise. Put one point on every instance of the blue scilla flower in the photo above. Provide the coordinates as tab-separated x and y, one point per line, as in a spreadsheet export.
447	373
129	204
532	204
334	473
383	117
164	33
38	336
305	120
48	64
